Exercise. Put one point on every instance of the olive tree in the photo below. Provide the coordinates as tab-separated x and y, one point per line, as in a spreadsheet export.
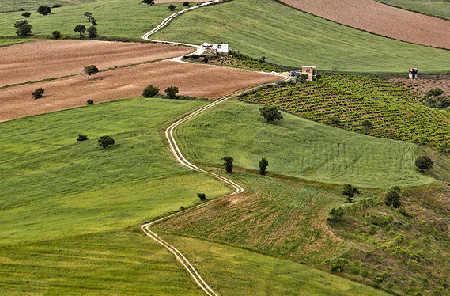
91	70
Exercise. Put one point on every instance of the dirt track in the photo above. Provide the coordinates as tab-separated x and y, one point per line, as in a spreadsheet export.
192	80
380	19
35	61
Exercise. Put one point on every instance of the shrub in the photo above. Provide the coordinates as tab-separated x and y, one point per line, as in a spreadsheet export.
336	214
339	265
435	92
56	34
202	196
92	32
349	191
90	102
228	163
82	138
44	10
91	70
423	163
26	14
263	166
171	92
392	198
38	93
186	4
148	2
23	28
367	125
150	91
172	7
270	113
106	141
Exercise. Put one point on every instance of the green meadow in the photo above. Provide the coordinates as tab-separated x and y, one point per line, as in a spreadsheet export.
439	8
299	148
14	5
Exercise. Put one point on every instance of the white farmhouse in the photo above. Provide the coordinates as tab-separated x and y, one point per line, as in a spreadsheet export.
223	48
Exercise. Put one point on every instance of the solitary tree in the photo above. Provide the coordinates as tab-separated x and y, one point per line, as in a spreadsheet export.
23	28
149	2
150	91
171	92
38	93
263	163
91	70
202	196
56	34
88	15
270	113
106	141
424	163
172	7
92	32
80	29
44	10
228	163
392	198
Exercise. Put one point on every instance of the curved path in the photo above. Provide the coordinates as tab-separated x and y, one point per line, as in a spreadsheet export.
180	158
380	19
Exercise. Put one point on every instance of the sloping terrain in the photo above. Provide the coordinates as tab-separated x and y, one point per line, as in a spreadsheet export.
44	59
438	8
380	19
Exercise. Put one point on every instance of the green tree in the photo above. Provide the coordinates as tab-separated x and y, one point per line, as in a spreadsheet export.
392	198
172	7
80	29
88	15
82	138
91	70
44	10
263	163
92	32
38	93
148	2
186	4
171	92
228	163
202	196
23	28
424	163
270	113
106	141
150	91
56	34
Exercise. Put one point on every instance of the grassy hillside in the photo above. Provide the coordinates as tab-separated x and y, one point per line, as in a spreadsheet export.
439	8
286	36
348	101
14	5
298	147
124	18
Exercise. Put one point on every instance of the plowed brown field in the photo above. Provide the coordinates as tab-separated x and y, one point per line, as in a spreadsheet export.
381	19
36	61
192	79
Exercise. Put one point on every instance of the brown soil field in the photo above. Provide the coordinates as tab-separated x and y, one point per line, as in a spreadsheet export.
192	80
36	61
381	19
422	85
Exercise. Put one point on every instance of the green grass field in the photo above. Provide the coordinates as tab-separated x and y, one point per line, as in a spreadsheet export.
123	18
298	147
289	37
14	5
255	274
439	8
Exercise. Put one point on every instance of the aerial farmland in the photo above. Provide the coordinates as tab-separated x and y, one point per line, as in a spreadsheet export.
227	147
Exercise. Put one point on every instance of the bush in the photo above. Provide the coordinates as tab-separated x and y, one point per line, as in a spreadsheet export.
263	166
150	91
44	10
38	93
82	138
90	102
106	141
423	163
91	70
202	196
339	265
56	34
349	191
26	14
23	28
336	214
92	32
392	198
270	113
186	4
171	92
172	7
435	92
228	163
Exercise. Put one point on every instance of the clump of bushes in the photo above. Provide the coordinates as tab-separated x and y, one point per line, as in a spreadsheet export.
38	93
392	198
150	91
423	163
171	92
90	102
106	141
350	192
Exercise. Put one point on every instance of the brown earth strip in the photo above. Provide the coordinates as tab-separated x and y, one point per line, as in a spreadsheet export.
192	79
36	61
380	19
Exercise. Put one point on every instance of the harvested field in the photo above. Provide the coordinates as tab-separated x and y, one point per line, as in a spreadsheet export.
36	61
192	79
380	19
422	85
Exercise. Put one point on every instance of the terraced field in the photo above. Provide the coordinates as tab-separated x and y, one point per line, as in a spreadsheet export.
348	101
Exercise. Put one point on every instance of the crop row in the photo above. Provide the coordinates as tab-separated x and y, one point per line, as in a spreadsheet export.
362	104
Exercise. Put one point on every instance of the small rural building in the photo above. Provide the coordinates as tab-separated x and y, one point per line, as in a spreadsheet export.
413	73
310	71
223	48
